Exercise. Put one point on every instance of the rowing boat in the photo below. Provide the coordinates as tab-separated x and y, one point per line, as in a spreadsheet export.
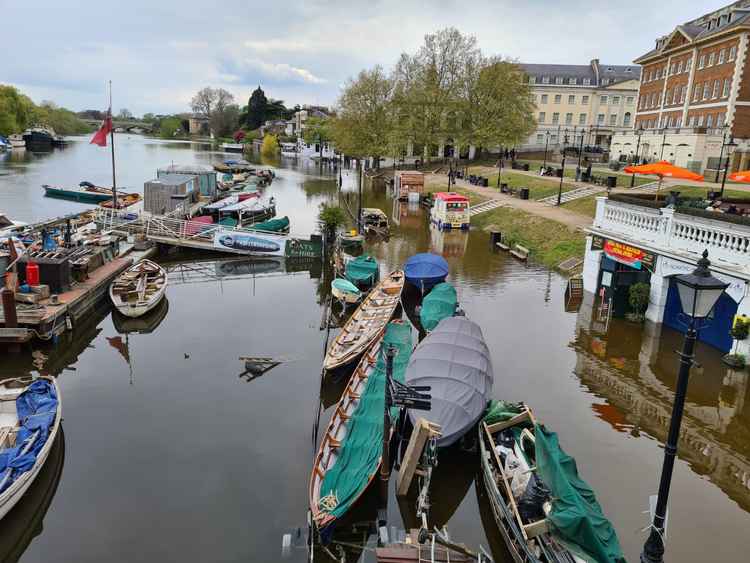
345	291
30	415
366	323
543	509
350	452
139	288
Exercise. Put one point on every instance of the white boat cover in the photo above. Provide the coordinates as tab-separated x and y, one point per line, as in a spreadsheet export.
455	362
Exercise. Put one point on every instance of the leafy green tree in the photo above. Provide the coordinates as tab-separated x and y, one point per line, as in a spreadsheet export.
170	127
256	109
15	110
149	118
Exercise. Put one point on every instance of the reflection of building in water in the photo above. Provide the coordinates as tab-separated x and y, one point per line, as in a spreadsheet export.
448	243
635	369
408	215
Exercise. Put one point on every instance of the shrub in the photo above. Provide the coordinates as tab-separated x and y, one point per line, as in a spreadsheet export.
638	296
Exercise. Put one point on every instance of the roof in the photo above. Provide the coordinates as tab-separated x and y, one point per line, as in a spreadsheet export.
187	169
714	23
172	179
451	196
595	71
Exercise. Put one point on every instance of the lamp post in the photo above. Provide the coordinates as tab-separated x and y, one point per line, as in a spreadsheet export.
638	133
663	140
698	293
731	145
546	145
721	154
500	167
562	174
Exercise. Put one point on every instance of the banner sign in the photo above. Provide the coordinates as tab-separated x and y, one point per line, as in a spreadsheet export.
623	253
246	243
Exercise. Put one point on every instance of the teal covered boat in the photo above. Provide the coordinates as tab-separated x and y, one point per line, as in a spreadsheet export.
345	291
363	271
351	450
440	303
280	225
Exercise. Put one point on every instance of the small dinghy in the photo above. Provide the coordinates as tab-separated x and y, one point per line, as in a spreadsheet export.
439	304
345	291
139	288
425	270
544	510
351	450
366	323
363	271
30	417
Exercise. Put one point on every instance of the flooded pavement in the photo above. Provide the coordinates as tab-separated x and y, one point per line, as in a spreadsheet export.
172	452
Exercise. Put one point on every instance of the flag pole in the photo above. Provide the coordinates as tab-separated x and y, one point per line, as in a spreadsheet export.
112	142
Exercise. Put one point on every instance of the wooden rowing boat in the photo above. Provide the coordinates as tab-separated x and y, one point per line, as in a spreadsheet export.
350	452
14	482
367	323
139	288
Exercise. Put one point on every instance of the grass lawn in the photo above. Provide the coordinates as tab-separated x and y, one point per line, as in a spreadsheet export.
550	242
623	180
538	187
693	191
474	199
584	206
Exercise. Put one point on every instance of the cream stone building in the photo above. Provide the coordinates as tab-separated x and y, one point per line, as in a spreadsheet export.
588	102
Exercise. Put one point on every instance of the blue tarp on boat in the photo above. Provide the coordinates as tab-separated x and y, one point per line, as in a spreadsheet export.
37	408
425	269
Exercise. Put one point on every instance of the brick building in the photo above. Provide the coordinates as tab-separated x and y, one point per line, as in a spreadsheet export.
694	89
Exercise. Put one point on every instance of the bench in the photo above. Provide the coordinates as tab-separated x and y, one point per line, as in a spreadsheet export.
520	252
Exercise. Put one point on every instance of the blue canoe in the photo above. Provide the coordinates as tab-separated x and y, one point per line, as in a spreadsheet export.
425	270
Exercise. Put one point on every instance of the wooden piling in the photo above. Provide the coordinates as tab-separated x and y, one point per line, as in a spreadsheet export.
423	431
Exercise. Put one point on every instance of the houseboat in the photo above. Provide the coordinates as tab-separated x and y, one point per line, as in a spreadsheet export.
450	211
232	147
289	150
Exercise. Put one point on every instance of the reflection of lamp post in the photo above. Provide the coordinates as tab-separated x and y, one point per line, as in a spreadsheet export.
731	145
698	293
562	174
638	133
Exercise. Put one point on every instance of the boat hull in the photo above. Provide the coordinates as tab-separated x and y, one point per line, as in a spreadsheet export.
10	497
74	195
140	308
345	296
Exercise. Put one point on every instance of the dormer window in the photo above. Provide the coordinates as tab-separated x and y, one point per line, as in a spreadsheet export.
572	81
558	80
586	81
545	79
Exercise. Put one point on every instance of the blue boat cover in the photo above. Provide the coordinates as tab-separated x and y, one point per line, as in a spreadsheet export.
37	408
425	269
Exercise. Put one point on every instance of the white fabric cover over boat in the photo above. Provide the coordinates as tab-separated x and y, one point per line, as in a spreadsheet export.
455	362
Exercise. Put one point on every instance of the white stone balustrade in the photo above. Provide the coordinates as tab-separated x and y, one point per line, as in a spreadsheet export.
727	243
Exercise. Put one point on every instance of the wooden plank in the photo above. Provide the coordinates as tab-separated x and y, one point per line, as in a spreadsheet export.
498	426
502	246
423	430
536	528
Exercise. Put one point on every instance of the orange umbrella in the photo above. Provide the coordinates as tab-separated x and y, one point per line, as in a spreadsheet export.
742	176
663	169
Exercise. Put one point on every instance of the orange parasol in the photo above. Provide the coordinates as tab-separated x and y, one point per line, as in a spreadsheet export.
742	176
663	169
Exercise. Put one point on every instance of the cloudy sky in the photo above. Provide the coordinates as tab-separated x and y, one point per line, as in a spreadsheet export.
158	53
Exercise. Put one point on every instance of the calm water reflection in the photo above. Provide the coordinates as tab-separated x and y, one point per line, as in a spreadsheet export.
171	455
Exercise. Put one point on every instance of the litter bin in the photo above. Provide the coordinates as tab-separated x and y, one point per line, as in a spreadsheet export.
712	196
523	193
503	187
611	181
559	172
525	167
485	182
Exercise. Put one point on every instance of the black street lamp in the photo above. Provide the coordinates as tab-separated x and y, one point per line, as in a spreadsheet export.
721	154
698	293
562	174
546	146
500	167
638	133
663	140
731	145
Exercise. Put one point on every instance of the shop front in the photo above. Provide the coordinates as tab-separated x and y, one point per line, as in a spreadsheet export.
621	266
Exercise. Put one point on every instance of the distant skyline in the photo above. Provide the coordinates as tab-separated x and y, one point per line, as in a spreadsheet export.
159	53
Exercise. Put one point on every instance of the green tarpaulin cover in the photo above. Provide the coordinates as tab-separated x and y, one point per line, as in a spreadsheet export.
440	303
228	222
500	411
360	452
576	515
273	225
363	269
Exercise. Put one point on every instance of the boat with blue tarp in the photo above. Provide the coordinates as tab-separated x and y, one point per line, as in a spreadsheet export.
425	270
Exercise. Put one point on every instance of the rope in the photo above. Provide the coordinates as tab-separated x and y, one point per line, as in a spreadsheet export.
329	502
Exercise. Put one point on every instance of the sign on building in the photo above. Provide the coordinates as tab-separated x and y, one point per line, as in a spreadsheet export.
624	253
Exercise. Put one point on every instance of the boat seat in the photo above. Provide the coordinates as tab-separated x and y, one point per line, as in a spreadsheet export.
5	437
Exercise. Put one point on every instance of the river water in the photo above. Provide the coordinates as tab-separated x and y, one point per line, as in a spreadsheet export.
170	452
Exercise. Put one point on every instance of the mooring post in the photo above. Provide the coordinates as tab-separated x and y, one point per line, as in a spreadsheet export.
385	465
9	313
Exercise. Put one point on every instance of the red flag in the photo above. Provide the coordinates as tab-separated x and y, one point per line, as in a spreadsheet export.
100	137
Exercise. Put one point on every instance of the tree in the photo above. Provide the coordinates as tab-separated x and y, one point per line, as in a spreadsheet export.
270	145
364	122
317	130
125	114
256	109
15	110
225	116
170	127
203	102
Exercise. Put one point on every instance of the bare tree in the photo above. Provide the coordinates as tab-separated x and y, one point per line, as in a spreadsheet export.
203	102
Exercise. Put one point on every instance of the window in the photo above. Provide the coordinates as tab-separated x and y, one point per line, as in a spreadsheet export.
613	119
586	81
700	121
696	92
711	60
629	100
688	63
605	81
553	139
722	56
532	98
706	90
558	98
558	80
572	81
568	119
600	119
571	100
626	119
709	121
603	100
544	98
545	79
702	61
732	53
532	79
616	100
720	119
678	122
555	118
539	139
542	116
717	85
679	67
585	100
668	97
581	119
690	121
683	93
727	84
